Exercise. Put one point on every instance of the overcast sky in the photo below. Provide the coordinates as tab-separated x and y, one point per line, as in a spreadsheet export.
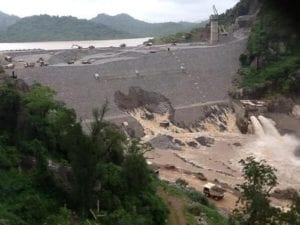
148	10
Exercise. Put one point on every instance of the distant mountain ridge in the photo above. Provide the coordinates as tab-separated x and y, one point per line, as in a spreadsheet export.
53	28
125	22
7	20
67	28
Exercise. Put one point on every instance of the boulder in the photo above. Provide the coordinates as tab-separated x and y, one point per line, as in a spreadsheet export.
201	176
205	141
192	144
178	142
163	142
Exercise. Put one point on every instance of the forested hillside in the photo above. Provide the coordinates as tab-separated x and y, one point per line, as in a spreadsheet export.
53	28
272	61
7	20
124	22
53	173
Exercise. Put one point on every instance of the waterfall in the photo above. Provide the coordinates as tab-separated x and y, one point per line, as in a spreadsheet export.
278	150
269	127
258	129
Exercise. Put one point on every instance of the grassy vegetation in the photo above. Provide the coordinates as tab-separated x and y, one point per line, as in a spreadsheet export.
279	74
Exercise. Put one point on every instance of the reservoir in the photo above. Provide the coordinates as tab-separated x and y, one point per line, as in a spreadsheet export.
58	45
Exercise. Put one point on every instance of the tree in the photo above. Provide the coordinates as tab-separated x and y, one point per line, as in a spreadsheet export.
255	208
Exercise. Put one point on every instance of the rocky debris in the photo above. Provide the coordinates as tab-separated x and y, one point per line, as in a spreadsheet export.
201	176
296	111
288	193
179	142
205	141
281	105
138	98
163	142
192	144
215	115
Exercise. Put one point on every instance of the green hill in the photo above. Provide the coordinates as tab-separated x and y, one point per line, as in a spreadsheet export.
53	28
124	22
7	20
271	62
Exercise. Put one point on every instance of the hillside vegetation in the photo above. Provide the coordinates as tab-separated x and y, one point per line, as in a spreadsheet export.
53	28
272	60
7	20
53	173
124	22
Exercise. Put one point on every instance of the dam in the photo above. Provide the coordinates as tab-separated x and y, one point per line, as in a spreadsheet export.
208	73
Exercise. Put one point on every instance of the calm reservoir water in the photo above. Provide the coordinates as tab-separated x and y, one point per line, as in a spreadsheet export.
57	45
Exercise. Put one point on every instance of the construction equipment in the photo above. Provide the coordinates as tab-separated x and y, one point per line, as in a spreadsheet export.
213	191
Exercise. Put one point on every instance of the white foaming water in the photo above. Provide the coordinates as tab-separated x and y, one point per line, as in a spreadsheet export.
277	150
258	129
269	127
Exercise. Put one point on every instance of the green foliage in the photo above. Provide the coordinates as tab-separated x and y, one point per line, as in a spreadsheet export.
198	197
273	51
102	170
136	173
126	23
9	107
260	179
63	217
280	74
